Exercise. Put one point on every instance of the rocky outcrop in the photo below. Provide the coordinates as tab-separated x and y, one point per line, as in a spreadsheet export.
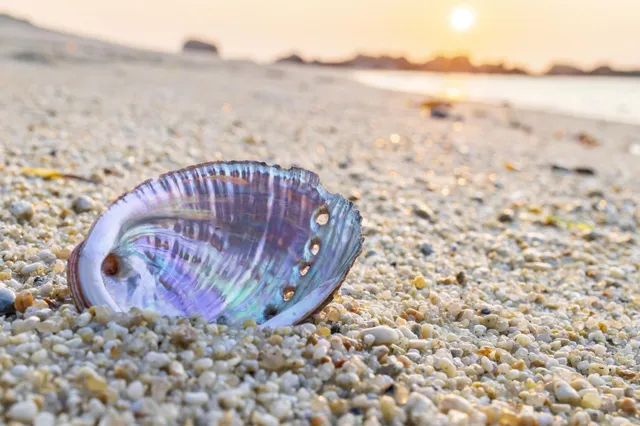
291	59
199	46
563	69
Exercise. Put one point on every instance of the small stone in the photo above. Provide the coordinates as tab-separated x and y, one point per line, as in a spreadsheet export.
22	210
95	382
490	321
347	380
249	323
184	336
426	249
61	349
175	368
565	393
282	409
82	204
264	419
31	268
448	367
324	331
24	299
202	365
461	278
23	411
455	402
7	299
382	335
596	368
628	406
425	212
196	398
157	359
44	419
506	216
427	331
591	399
388	408
419	282
135	390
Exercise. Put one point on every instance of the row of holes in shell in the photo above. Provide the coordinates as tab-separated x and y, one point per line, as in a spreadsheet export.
320	218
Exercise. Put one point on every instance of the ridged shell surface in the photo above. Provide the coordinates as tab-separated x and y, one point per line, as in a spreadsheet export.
230	241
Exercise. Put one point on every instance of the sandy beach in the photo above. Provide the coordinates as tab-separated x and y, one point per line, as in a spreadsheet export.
498	284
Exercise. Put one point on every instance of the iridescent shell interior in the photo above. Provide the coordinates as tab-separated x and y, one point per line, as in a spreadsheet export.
229	241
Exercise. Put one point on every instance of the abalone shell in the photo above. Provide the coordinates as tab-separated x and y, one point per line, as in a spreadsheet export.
230	241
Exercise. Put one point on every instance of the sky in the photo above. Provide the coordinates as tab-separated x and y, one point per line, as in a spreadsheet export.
521	32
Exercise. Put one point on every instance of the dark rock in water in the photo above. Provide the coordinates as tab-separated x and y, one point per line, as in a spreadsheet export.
426	249
7	297
461	277
200	46
557	168
439	113
485	311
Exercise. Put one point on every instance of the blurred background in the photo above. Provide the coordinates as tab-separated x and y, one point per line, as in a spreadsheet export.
492	51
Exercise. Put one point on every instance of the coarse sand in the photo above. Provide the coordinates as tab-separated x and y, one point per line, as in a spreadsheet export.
498	284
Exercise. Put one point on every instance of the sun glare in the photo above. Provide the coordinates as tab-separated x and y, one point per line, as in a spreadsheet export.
462	18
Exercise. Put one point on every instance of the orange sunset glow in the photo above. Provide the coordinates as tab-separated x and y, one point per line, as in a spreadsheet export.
528	33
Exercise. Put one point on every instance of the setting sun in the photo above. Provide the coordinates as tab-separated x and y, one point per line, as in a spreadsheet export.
462	18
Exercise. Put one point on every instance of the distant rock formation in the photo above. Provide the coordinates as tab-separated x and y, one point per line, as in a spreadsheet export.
564	69
293	58
460	64
456	64
199	46
602	70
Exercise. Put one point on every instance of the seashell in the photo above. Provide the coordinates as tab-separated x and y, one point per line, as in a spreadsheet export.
231	241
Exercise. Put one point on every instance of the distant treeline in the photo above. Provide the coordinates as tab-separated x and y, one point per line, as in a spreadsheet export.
460	64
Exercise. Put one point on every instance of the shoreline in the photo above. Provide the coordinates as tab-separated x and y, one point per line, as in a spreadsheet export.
561	110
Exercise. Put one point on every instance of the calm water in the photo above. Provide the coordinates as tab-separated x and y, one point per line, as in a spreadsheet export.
608	98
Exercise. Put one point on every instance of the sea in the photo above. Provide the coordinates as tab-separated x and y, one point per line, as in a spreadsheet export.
615	99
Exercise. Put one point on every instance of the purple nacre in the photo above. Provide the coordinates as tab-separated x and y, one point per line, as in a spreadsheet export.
230	241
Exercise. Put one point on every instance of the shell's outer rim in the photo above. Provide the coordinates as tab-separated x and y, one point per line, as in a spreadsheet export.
77	294
76	287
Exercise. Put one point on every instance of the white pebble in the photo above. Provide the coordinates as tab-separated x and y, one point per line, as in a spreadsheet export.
135	390
196	398
23	411
61	349
22	210
44	419
565	393
382	335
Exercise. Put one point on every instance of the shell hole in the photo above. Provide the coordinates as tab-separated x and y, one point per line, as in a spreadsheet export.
304	268
288	292
322	216
314	246
270	311
110	264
